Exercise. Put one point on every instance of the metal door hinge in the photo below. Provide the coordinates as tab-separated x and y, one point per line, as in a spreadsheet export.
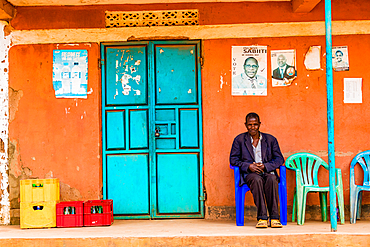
201	61
100	62
204	197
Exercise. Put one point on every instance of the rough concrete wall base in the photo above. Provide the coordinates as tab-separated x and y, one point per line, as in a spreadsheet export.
15	216
313	212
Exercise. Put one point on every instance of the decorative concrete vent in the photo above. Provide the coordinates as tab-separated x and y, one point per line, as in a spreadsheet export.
151	18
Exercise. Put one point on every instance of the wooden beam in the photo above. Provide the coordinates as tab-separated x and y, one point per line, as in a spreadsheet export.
204	32
304	6
111	2
7	10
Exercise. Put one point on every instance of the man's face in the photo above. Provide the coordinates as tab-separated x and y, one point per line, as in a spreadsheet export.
253	126
251	68
281	61
339	57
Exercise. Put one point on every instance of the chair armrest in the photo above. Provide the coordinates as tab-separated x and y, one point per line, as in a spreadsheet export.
282	169
236	175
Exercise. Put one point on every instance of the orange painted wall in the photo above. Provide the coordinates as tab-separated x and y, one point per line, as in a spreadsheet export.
296	115
51	130
57	135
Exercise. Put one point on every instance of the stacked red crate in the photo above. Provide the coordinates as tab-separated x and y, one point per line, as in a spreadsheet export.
98	213
70	214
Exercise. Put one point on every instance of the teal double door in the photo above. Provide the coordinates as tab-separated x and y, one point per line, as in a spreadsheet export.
152	129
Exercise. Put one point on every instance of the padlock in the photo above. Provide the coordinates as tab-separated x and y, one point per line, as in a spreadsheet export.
157	134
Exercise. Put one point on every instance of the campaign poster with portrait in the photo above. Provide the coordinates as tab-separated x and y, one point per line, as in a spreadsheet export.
283	67
340	58
249	70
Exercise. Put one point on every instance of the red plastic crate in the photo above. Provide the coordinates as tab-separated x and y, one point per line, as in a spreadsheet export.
98	213
69	219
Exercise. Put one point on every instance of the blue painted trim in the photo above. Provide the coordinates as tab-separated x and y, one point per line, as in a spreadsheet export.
118	152
120	108
330	115
127	129
103	58
177	107
200	120
152	155
183	150
177	136
131	217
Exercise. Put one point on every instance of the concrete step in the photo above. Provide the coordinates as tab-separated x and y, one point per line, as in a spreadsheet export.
188	232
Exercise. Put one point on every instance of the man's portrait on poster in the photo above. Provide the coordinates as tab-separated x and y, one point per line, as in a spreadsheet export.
283	70
340	58
249	78
249	70
283	64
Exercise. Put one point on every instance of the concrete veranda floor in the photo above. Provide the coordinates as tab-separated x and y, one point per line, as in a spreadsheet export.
188	232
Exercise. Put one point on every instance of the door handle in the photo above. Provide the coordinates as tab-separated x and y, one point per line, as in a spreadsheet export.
157	134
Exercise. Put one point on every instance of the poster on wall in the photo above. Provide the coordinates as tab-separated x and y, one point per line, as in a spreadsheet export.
352	90
340	58
249	70
70	73
283	64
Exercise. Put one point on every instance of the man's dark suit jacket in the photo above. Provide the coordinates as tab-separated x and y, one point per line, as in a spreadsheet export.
242	155
277	75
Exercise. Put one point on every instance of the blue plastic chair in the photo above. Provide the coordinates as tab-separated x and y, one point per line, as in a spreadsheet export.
355	191
240	196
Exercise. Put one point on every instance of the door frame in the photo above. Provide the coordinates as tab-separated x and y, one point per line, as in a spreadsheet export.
151	102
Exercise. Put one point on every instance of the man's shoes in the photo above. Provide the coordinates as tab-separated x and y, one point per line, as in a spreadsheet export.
262	224
276	224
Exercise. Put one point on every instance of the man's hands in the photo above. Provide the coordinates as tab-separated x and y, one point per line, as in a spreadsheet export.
258	168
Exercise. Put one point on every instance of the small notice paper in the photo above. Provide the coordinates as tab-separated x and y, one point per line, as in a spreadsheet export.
352	90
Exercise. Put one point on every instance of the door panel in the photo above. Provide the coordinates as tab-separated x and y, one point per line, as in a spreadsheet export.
176	75
127	76
128	183
139	129
152	135
181	187
116	132
189	128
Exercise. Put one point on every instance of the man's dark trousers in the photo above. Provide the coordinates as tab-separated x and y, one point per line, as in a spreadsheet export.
261	186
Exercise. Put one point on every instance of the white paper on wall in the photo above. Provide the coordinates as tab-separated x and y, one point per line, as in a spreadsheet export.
352	90
312	59
70	73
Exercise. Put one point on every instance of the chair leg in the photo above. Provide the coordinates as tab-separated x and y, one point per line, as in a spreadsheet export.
341	205
283	204
324	205
302	215
358	215
353	202
239	207
294	213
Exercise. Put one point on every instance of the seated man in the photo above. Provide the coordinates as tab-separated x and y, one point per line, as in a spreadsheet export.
258	155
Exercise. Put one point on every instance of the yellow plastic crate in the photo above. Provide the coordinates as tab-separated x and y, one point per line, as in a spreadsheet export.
40	190
38	214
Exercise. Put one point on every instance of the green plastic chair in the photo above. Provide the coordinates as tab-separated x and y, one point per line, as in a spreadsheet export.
306	167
